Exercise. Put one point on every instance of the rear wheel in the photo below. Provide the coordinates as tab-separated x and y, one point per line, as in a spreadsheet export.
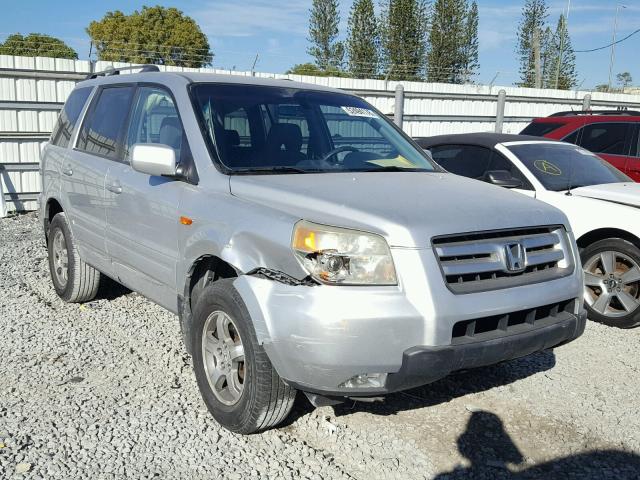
612	282
239	385
73	279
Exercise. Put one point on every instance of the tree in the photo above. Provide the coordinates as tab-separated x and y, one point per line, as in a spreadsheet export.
561	73
534	17
447	41
624	79
547	54
470	63
36	45
323	34
363	40
404	39
152	35
314	70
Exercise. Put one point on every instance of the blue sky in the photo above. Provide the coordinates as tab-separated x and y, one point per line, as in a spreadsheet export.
277	31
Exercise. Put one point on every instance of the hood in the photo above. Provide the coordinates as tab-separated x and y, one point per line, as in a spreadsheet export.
407	208
625	193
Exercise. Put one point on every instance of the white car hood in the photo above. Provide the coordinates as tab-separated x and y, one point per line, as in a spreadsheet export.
624	193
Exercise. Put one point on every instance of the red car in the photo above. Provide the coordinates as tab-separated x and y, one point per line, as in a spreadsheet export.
612	134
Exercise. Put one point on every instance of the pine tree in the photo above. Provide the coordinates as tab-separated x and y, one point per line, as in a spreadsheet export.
323	34
404	39
447	39
363	40
534	16
546	56
562	68
470	63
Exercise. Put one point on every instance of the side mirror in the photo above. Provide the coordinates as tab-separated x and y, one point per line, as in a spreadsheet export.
502	178
153	159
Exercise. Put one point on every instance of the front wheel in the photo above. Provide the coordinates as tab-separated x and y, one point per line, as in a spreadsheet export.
612	282
239	385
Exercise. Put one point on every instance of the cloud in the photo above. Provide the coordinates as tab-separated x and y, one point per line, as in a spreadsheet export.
230	18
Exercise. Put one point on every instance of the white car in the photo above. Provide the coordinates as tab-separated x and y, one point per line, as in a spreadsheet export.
602	204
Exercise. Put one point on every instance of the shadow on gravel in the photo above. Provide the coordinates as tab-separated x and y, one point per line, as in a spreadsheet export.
110	289
455	385
490	450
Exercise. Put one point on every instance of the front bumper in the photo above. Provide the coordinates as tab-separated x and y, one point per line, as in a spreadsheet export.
318	337
423	365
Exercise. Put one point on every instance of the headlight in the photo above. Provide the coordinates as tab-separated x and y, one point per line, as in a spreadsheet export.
342	256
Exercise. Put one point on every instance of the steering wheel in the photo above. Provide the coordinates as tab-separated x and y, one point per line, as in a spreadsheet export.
337	150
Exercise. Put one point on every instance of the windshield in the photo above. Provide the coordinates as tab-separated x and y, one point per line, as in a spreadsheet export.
257	129
560	166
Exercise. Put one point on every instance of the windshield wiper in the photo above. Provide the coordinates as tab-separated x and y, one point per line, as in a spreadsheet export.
392	168
275	170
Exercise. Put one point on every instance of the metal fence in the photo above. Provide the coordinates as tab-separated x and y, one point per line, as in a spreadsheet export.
33	89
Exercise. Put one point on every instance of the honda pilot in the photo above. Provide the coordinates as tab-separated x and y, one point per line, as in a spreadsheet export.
303	240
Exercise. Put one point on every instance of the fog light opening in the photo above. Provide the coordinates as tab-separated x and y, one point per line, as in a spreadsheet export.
366	380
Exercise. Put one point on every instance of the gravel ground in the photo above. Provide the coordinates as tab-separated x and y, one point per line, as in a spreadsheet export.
106	390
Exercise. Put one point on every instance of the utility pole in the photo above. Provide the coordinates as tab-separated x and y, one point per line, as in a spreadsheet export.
253	67
566	27
613	43
536	59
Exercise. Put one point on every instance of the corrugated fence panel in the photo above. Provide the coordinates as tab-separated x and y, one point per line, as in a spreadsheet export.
32	90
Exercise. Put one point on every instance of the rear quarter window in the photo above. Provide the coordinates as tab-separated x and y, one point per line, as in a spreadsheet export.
68	117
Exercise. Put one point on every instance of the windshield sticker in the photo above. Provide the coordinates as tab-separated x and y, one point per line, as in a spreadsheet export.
547	167
359	112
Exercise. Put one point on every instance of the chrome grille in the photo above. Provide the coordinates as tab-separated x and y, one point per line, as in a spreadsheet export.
502	259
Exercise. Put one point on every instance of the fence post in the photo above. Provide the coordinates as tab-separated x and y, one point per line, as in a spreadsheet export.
3	206
502	99
586	102
398	112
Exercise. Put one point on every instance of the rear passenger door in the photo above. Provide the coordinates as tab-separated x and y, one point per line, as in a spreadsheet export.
610	140
98	145
142	210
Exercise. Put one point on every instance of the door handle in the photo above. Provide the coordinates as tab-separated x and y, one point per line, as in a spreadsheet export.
114	187
67	170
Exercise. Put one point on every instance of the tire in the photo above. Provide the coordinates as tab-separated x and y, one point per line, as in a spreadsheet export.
612	282
73	280
255	397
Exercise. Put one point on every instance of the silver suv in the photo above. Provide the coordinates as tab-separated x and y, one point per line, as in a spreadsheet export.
303	240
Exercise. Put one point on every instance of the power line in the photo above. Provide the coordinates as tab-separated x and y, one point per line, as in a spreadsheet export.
609	45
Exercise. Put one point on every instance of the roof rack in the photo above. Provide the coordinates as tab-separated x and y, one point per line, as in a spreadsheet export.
625	113
116	71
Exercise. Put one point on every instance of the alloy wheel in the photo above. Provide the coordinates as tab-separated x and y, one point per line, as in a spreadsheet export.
60	258
612	283
223	357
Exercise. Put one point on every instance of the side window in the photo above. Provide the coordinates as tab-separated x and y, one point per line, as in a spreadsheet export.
104	127
466	160
606	138
155	120
636	141
68	117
